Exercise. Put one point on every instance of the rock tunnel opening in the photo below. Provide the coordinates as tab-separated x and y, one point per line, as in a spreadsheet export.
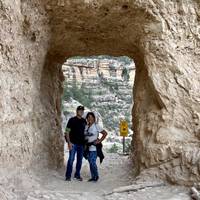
102	84
51	96
118	33
107	29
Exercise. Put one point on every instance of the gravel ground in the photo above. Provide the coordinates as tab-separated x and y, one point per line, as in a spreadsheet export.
115	172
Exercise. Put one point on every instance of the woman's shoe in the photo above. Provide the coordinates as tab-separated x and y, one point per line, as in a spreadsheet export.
67	179
95	179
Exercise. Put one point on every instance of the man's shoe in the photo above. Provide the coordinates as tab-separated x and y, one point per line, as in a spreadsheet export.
78	178
67	179
91	180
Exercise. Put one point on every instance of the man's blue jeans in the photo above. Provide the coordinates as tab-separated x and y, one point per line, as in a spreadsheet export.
76	149
93	166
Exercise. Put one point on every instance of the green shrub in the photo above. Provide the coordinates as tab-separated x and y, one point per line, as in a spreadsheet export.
113	149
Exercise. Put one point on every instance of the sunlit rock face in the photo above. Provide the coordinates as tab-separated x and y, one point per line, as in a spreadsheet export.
161	36
81	69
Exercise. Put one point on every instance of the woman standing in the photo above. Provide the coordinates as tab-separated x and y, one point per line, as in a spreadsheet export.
92	131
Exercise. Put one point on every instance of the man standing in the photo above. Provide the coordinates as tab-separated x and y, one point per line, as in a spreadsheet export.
74	136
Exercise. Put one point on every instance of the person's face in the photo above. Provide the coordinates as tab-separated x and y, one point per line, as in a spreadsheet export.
80	113
90	119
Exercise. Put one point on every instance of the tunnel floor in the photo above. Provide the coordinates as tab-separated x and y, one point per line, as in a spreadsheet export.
115	177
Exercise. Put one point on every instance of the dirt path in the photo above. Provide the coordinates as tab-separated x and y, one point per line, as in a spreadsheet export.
116	171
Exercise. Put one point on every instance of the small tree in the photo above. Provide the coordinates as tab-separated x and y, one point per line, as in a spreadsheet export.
125	74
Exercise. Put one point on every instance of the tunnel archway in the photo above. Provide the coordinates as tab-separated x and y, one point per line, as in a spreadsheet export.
118	29
92	34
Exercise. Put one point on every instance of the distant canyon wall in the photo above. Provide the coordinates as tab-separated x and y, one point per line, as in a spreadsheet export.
103	86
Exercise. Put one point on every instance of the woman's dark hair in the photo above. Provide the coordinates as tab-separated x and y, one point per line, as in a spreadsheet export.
92	114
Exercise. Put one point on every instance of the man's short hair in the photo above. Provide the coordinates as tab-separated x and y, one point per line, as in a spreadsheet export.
80	108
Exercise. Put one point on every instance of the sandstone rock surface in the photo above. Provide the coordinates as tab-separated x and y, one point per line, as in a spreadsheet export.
163	38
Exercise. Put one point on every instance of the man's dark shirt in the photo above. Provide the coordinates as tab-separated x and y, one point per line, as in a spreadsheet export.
76	128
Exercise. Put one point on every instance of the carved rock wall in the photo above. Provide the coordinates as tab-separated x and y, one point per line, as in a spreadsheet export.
162	36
